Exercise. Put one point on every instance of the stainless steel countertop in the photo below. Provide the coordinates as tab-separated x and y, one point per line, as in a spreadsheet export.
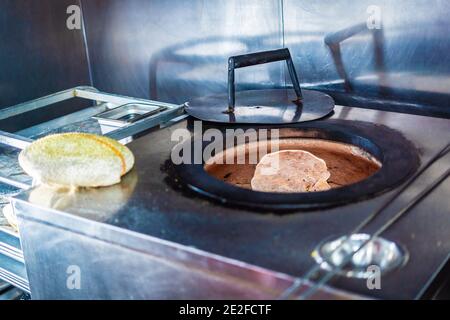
146	203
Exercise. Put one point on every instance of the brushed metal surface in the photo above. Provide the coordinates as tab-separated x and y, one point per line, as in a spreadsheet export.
13	272
176	50
38	55
406	60
118	264
149	204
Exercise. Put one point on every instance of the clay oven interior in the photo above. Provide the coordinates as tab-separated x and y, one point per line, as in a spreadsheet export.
346	163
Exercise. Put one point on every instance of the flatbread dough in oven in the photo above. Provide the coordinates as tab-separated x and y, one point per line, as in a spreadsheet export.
290	171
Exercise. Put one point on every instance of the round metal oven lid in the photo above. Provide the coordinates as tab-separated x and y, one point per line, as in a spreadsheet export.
398	156
274	106
269	106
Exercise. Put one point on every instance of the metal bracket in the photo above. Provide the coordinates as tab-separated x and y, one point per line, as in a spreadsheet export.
256	58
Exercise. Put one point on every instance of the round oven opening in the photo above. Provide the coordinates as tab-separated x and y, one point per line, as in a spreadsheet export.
347	164
364	160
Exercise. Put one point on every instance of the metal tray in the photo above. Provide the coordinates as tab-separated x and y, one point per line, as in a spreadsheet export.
128	113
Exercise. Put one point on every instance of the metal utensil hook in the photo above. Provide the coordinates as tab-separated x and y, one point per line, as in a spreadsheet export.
256	58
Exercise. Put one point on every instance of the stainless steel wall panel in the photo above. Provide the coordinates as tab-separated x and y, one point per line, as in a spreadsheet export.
176	50
406	60
38	55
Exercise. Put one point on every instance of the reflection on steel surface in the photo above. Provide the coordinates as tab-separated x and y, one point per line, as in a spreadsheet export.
379	252
113	197
181	52
39	55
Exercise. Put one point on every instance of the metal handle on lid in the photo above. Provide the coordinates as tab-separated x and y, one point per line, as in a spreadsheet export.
256	58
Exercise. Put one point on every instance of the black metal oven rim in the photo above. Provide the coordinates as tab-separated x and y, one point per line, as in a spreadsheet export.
399	158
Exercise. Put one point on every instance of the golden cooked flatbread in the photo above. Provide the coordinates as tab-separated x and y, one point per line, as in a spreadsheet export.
9	215
76	160
290	171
